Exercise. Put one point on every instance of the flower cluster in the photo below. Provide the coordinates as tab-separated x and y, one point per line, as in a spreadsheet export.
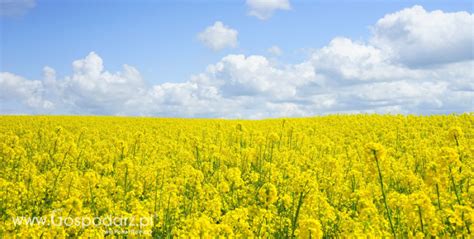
333	176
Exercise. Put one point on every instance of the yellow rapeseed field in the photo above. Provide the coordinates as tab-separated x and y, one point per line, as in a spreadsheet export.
332	176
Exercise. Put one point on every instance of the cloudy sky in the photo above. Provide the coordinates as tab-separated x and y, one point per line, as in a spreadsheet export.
236	58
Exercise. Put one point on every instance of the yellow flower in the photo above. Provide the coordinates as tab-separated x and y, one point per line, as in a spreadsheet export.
375	151
224	187
73	204
449	155
310	228
268	194
286	200
307	178
456	133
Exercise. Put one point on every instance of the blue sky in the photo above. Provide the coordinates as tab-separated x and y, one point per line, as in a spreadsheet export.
160	40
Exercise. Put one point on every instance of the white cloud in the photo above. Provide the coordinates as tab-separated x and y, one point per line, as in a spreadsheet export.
238	75
49	74
13	8
263	9
252	87
219	36
275	50
344	76
20	91
99	91
344	59
415	37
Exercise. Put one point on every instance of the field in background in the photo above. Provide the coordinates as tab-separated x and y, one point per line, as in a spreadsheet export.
327	176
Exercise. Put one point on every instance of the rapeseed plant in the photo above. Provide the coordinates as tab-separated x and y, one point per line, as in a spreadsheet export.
333	176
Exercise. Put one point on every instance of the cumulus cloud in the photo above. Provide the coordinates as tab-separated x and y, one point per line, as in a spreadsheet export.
13	8
99	91
416	37
345	76
238	75
89	90
49	75
219	36
18	91
275	50
343	59
263	9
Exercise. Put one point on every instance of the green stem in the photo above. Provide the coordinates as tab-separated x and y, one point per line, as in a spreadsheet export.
421	219
125	187
384	197
454	187
437	193
295	219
